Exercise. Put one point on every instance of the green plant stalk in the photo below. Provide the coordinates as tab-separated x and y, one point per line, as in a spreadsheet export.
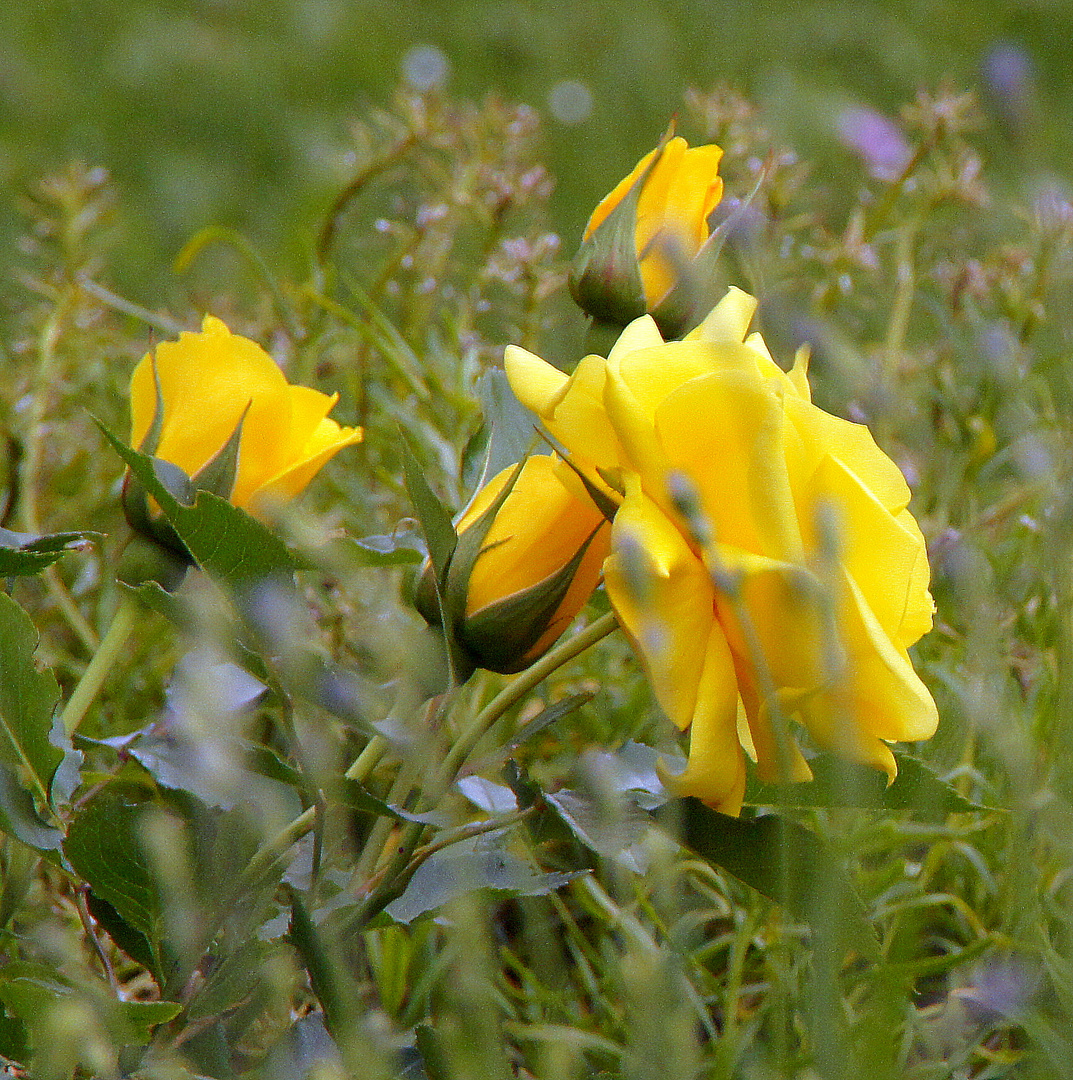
366	761
290	834
47	342
220	234
112	644
516	689
397	870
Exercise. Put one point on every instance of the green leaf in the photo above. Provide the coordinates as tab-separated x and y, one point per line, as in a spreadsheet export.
133	942
28	553
354	796
552	714
104	846
28	988
225	542
435	518
140	1017
327	978
19	816
232	980
465	867
27	700
394	549
780	860
612	828
511	424
841	783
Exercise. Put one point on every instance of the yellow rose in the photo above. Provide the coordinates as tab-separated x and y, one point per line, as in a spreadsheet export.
774	613
662	210
529	554
208	384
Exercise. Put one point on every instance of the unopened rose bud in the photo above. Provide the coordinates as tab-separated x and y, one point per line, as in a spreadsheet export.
640	246
529	554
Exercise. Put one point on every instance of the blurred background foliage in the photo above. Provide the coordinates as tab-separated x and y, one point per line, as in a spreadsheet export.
233	113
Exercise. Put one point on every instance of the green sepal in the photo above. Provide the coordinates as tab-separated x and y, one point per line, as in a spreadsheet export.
151	441
605	278
434	517
500	636
468	548
225	541
155	526
218	476
145	560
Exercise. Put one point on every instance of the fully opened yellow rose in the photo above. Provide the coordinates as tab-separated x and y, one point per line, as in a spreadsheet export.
664	205
206	385
776	614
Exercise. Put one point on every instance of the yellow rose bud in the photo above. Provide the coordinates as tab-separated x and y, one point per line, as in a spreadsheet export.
216	406
642	237
529	555
765	561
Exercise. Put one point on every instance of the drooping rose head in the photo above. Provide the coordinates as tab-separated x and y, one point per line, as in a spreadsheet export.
645	233
791	581
216	405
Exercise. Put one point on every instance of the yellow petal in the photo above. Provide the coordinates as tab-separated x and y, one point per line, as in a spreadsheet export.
670	623
919	607
799	373
773	766
694	192
537	384
325	442
672	213
839	731
823	434
207	380
883	553
716	769
636	435
736	455
728	321
537	531
642	333
783	603
888	698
